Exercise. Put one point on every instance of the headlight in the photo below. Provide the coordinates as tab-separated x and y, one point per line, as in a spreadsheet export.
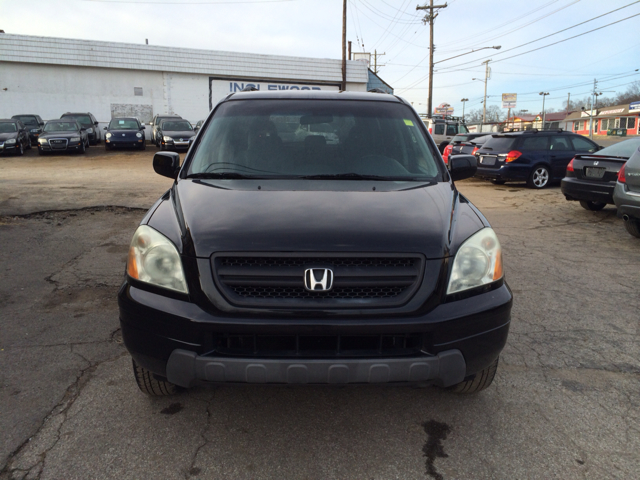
89	130
154	259
108	135
478	262
11	141
139	135
74	139
43	141
167	139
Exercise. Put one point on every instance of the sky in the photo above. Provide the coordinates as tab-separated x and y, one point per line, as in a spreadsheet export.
313	28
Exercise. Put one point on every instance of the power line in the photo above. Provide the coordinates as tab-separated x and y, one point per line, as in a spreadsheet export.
555	33
187	2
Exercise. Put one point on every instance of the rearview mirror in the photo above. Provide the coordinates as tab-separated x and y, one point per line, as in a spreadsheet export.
462	166
167	164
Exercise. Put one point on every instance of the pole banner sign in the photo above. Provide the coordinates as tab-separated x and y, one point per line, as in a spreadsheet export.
509	100
443	109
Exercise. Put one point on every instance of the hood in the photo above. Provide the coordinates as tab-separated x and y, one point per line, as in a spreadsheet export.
185	134
7	136
223	219
71	133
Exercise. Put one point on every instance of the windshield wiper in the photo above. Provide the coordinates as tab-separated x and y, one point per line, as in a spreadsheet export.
224	175
354	176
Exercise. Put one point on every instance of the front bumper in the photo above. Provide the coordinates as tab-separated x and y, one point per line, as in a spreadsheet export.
73	147
127	143
175	339
580	189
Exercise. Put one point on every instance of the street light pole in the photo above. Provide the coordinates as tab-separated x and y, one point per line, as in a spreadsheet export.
484	103
544	94
463	102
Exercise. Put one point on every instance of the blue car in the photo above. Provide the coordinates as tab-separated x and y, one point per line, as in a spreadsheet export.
124	132
537	157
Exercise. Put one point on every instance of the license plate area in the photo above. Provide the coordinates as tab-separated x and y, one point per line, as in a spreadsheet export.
594	172
486	160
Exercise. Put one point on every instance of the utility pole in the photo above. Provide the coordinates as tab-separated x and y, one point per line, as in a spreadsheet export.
349	49
344	45
568	102
486	78
595	86
430	17
375	61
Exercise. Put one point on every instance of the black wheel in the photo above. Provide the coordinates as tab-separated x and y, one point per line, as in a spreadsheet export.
633	227
149	384
539	177
498	182
593	206
20	150
480	380
41	152
107	147
143	145
28	144
83	148
442	146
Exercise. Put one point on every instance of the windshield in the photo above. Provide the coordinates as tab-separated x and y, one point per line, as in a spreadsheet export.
81	119
175	126
293	138
123	124
27	120
622	149
463	129
8	127
59	126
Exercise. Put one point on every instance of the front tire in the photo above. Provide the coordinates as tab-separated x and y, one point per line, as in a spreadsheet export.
539	177
480	381
592	206
442	146
42	152
83	148
20	151
147	382
633	227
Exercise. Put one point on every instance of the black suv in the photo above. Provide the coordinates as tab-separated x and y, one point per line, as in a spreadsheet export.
537	157
33	123
283	259
88	122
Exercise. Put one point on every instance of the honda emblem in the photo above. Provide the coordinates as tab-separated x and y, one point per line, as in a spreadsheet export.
318	279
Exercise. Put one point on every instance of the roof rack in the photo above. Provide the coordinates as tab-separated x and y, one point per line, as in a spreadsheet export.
377	90
249	88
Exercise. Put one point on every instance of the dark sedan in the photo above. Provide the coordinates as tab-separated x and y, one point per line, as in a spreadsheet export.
175	134
591	178
124	132
33	123
14	137
63	136
464	144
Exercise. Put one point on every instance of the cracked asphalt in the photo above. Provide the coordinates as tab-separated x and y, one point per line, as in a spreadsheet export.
564	404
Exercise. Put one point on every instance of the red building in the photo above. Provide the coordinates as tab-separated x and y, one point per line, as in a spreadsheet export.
607	121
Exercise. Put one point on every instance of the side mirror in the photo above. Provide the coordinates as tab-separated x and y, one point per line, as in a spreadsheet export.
95	123
462	166
167	164
104	128
82	129
142	127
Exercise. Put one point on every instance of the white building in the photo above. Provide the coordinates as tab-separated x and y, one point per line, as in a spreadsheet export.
50	76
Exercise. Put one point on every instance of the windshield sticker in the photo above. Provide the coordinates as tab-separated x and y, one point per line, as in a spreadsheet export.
408	123
121	122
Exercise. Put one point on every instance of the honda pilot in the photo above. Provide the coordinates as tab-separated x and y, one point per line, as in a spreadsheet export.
348	258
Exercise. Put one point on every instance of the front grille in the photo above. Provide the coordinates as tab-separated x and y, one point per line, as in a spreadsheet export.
359	281
58	143
316	346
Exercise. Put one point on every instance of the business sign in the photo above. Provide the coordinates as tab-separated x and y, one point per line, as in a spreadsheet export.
611	112
509	100
221	87
443	109
634	107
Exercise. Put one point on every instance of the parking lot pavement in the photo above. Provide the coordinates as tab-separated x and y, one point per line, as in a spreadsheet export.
565	402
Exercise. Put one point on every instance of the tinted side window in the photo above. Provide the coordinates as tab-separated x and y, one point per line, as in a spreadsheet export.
582	145
439	129
451	130
560	144
534	143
